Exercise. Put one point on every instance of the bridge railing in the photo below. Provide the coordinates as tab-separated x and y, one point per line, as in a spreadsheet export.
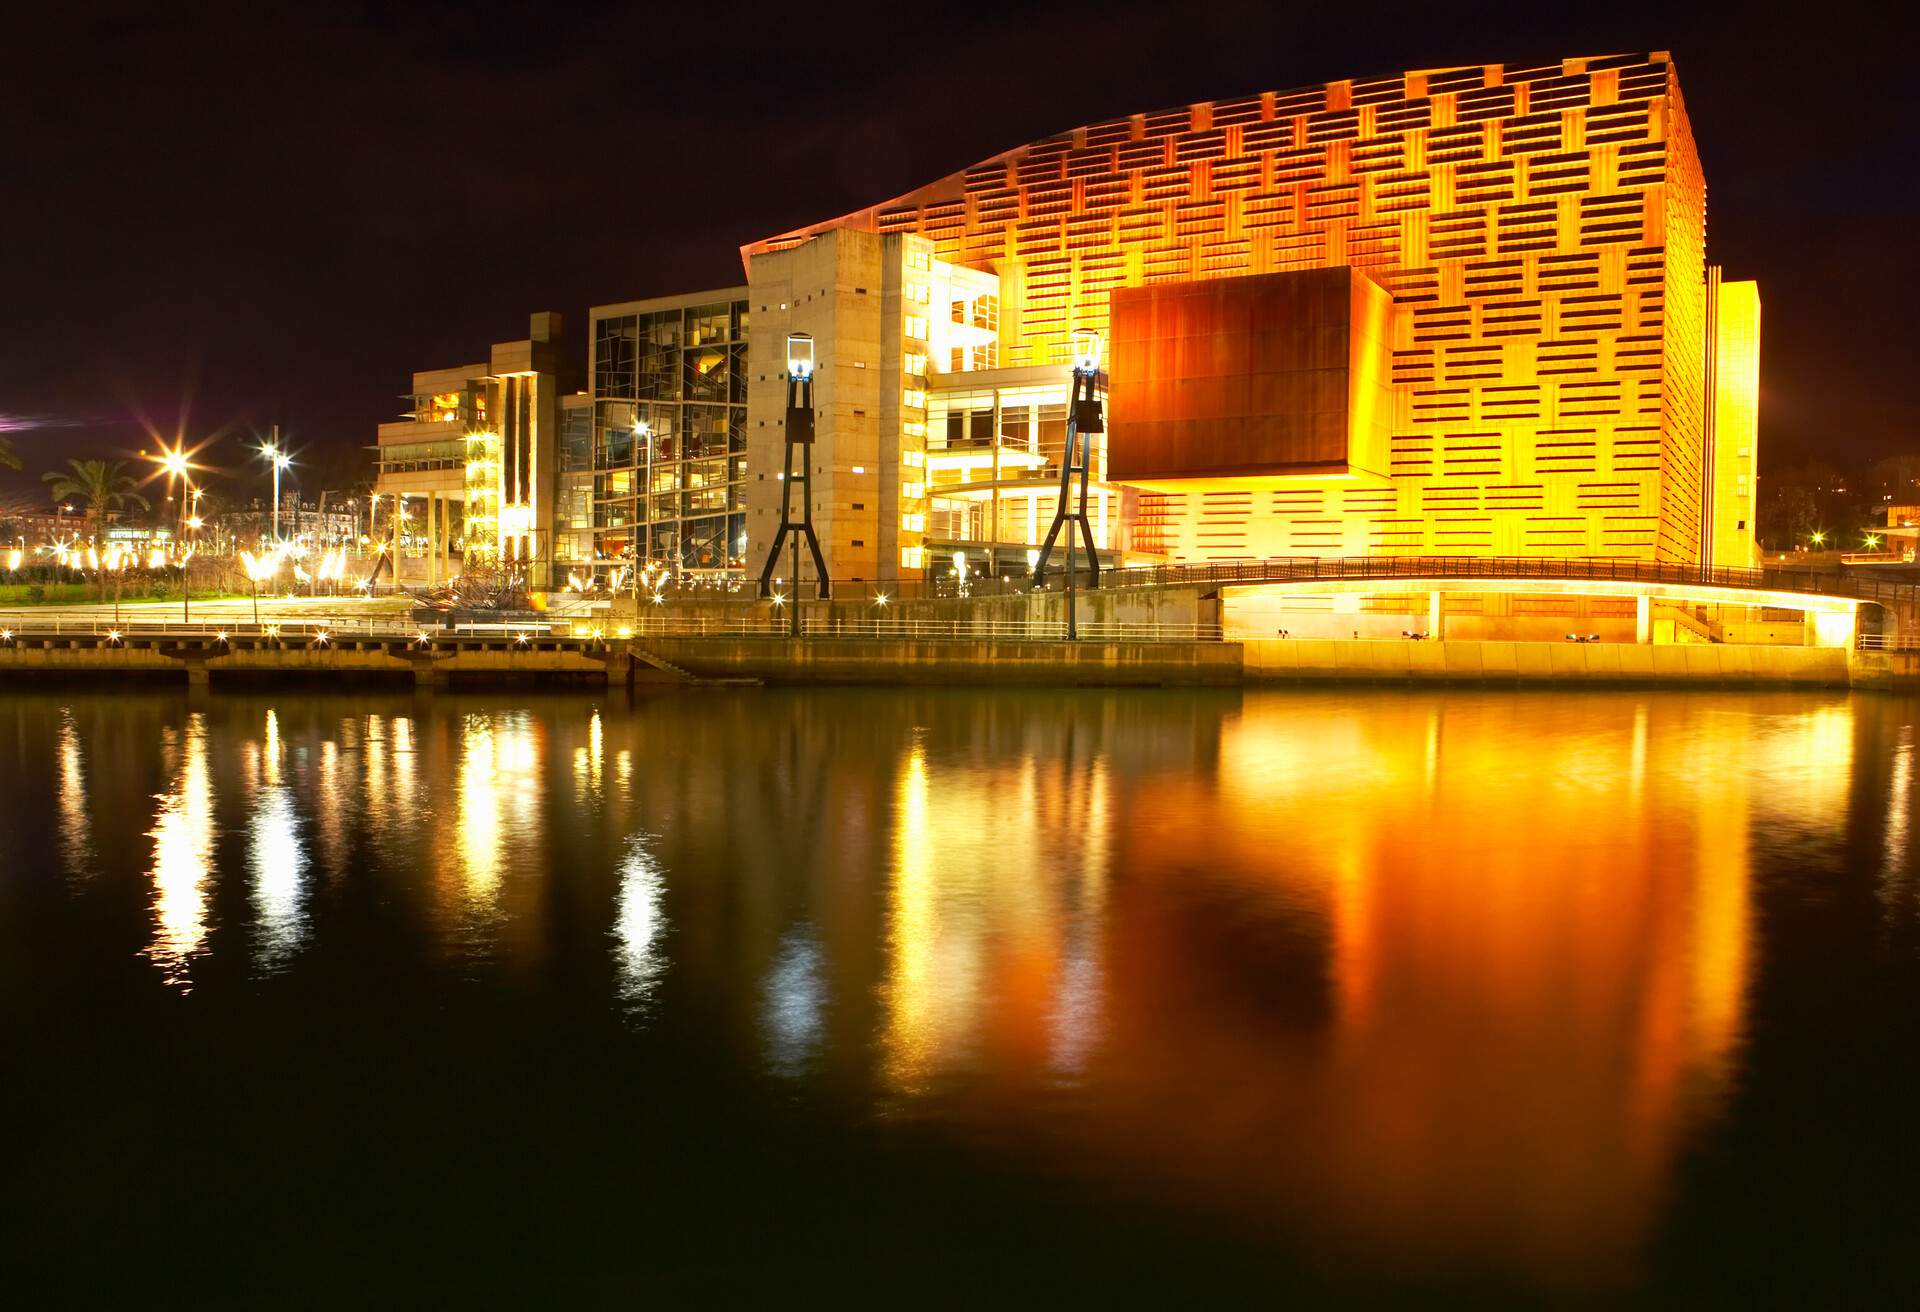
1290	569
826	626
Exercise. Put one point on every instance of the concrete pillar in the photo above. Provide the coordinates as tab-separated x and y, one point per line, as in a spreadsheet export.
1433	615
433	540
1643	619
198	674
428	674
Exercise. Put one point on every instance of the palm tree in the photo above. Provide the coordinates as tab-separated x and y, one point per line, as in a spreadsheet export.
8	460
105	488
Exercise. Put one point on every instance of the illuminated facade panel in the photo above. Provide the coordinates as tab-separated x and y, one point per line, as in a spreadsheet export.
1281	373
1541	233
1735	442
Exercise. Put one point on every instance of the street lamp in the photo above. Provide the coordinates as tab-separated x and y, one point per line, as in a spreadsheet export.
799	434
280	460
1083	421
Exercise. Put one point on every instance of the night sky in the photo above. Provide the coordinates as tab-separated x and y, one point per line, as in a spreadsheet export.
275	213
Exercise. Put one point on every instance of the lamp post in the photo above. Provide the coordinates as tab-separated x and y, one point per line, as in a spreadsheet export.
280	461
1083	421
799	433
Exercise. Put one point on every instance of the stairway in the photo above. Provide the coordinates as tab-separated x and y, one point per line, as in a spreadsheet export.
680	675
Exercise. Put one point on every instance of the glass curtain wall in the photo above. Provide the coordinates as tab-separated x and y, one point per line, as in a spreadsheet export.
674	497
993	474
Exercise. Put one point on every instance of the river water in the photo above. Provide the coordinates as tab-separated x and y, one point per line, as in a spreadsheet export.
1345	995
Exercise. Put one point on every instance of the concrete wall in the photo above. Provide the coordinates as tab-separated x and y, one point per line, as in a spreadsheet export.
1585	662
1170	606
1005	663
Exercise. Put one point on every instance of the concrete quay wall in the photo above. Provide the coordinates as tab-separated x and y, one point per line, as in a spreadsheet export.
1301	660
964	661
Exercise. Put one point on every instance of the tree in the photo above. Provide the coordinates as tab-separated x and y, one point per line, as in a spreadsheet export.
103	486
8	458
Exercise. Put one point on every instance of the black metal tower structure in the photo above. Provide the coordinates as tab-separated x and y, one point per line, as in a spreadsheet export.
1083	421
799	434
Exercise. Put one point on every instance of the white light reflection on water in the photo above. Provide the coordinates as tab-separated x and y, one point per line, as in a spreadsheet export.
76	828
182	861
278	865
639	922
792	1006
1893	863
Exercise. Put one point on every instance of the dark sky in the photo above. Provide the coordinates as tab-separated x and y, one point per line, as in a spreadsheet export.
279	211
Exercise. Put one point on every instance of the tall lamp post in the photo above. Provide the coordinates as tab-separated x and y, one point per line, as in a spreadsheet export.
174	464
799	433
1083	421
280	460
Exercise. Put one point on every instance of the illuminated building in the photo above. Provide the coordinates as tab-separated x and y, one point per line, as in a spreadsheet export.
471	471
1454	311
669	434
1534	358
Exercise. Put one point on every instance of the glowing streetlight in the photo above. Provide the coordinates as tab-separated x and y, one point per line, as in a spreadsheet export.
800	355
280	460
1817	537
1086	351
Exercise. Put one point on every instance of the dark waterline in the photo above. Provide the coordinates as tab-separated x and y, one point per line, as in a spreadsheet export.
1344	995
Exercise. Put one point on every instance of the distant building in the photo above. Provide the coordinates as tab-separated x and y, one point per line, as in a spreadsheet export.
468	477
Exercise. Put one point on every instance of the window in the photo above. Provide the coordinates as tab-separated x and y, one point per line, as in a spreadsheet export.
912	491
912	557
914	523
959	311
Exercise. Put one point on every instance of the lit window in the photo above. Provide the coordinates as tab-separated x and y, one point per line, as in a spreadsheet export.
914	363
914	523
913	399
919	260
918	293
913	459
913	428
913	491
912	557
915	327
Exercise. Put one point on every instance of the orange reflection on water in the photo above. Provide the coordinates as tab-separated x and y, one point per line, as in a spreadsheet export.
994	877
1485	964
1537	939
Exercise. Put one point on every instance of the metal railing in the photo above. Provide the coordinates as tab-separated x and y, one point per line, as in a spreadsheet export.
1889	642
953	630
1007	582
28	625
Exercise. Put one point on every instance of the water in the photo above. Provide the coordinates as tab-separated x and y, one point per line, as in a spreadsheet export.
1345	995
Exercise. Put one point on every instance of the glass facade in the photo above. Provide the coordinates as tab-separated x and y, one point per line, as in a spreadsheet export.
668	439
993	473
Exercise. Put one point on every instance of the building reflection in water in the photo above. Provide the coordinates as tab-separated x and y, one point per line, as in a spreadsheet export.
76	828
994	900
500	796
277	862
183	859
638	924
1454	967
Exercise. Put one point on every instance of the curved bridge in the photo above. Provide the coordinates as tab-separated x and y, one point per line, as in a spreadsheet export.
1831	585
